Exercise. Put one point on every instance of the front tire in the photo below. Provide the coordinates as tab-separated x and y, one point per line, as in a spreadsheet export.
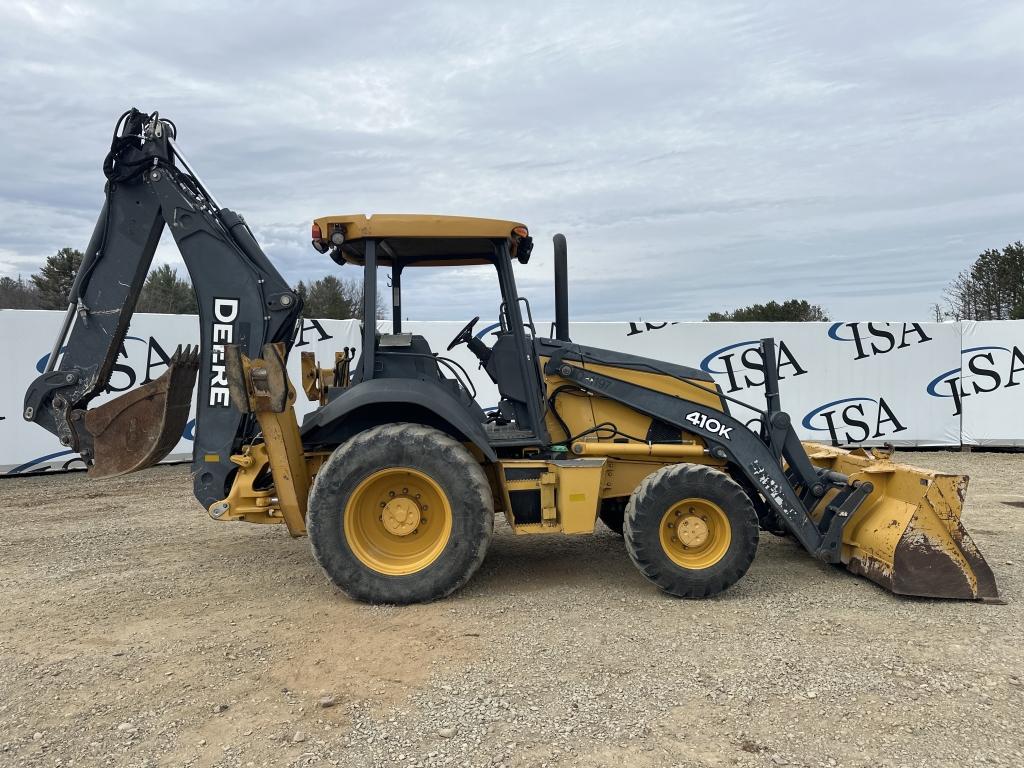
400	513
691	530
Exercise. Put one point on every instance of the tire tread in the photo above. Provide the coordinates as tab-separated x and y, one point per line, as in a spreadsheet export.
397	445
643	517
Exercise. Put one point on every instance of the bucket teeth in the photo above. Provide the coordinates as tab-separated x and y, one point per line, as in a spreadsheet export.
139	428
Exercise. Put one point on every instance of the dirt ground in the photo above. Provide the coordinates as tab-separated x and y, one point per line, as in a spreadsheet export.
136	631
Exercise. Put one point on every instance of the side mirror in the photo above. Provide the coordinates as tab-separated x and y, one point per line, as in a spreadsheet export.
524	247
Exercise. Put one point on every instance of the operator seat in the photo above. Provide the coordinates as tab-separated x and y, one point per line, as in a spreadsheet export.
408	356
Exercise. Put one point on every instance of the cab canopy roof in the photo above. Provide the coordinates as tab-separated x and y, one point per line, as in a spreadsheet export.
416	240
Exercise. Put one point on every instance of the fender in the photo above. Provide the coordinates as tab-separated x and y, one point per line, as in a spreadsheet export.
328	424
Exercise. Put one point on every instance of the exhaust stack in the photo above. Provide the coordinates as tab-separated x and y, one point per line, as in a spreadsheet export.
561	289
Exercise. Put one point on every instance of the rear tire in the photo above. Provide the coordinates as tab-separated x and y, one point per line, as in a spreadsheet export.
400	513
691	530
613	513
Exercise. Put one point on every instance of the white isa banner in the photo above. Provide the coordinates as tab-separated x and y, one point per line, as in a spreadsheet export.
849	383
855	383
987	387
843	383
26	337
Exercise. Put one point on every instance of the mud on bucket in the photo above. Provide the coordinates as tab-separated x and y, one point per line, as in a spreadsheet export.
139	428
907	535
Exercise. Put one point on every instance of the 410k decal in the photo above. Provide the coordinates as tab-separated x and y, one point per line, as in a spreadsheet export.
714	426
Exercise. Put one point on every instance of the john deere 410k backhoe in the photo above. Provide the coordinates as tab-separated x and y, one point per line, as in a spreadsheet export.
398	474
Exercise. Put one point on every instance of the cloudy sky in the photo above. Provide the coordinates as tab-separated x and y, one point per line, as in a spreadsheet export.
698	156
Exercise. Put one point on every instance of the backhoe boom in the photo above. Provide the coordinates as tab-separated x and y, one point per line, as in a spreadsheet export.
242	299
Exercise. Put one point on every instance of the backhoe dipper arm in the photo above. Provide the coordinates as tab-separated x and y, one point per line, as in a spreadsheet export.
242	300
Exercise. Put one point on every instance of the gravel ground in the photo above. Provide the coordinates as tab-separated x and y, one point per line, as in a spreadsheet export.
136	631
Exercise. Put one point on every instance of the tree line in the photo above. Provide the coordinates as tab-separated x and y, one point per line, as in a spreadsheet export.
791	311
992	288
165	292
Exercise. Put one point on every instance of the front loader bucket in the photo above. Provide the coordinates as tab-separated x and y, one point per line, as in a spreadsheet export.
139	428
907	535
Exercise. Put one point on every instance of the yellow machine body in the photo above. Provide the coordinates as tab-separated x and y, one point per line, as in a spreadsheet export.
906	537
397	475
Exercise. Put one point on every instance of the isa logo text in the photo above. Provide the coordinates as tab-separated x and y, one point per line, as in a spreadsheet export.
743	364
982	370
854	420
871	339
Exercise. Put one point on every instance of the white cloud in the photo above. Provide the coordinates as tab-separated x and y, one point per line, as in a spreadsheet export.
699	156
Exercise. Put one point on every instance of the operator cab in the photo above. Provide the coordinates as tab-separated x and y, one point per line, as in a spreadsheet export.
398	242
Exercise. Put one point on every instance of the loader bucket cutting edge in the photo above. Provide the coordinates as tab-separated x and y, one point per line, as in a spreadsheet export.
907	536
139	428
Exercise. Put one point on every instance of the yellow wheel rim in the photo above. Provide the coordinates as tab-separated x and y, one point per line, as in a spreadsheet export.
397	521
695	533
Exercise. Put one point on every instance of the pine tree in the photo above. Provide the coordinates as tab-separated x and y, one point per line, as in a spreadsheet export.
794	310
165	292
18	294
54	280
331	298
992	288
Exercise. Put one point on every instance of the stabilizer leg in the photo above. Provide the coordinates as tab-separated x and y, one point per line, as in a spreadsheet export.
261	386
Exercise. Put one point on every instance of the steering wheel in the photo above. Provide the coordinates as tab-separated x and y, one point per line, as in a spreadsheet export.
463	336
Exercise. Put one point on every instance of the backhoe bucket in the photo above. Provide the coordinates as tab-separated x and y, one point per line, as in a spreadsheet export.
139	428
907	536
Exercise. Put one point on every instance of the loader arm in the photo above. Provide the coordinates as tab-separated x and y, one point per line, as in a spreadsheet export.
242	300
895	524
729	439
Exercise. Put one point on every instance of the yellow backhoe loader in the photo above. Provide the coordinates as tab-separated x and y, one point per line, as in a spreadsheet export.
397	475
